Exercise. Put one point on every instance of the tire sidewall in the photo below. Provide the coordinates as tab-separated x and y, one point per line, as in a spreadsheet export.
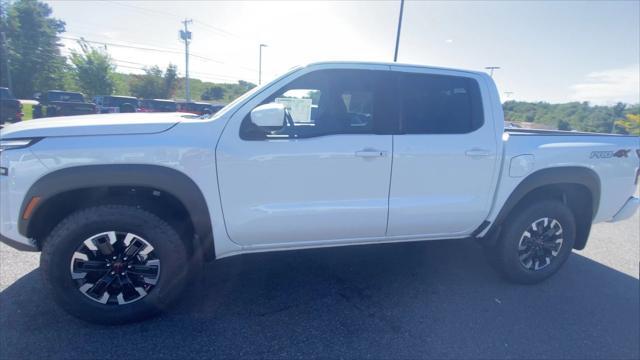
518	224
67	237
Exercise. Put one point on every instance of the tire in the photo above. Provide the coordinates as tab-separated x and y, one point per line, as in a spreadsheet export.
513	256
127	108
65	250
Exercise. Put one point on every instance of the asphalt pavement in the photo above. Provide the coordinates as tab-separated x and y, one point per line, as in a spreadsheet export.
436	299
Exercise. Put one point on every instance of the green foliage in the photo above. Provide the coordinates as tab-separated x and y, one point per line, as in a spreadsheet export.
630	124
154	84
93	70
32	47
27	111
570	116
213	93
564	125
170	81
121	84
199	87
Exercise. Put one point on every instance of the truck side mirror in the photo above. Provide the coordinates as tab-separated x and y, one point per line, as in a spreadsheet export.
268	116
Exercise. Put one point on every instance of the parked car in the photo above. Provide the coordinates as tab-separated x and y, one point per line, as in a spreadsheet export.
62	103
157	105
115	104
199	108
10	107
122	210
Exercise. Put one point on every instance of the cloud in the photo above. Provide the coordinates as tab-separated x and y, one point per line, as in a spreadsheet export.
449	41
609	86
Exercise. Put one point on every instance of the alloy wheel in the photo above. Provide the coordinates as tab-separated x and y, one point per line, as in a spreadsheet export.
540	244
115	268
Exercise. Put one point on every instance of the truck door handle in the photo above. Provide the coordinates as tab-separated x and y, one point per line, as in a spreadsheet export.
370	153
475	152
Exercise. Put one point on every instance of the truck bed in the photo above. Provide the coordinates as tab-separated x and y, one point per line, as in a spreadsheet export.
516	131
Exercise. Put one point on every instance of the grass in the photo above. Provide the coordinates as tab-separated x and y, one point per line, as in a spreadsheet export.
27	111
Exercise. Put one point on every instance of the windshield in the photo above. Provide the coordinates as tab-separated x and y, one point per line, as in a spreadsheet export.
253	91
65	96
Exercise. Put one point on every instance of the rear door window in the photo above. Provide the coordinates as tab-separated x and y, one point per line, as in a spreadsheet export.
439	104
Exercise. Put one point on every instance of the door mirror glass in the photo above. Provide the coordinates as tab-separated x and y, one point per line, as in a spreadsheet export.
268	116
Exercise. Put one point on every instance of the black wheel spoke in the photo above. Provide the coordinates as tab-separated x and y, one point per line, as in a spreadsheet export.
144	270
80	265
103	244
540	243
134	248
101	286
128	288
114	266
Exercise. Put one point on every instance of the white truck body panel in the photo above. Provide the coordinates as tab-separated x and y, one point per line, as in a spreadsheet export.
316	192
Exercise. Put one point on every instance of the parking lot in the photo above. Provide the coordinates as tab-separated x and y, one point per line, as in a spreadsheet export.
415	300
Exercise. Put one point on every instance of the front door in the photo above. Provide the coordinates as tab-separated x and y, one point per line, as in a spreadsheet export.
324	177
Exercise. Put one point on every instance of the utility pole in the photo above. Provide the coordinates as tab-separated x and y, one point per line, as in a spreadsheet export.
508	94
395	54
491	68
5	52
260	64
186	36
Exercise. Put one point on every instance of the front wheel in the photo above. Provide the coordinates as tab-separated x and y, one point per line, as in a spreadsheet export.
535	242
114	264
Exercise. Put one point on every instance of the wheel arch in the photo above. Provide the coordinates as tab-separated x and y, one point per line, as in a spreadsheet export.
578	187
77	179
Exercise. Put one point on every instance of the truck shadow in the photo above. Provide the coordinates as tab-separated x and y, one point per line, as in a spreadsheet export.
414	300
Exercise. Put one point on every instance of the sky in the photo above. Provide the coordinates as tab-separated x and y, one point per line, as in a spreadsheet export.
553	51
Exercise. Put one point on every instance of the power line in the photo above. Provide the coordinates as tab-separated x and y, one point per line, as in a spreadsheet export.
138	47
197	22
146	48
491	68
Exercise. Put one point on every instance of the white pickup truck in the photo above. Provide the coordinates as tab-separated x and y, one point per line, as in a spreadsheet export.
329	154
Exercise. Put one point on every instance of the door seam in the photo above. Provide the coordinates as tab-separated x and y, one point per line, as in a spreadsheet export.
386	230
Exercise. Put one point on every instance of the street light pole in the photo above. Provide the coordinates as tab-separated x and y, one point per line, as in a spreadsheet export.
260	64
395	54
186	36
491	68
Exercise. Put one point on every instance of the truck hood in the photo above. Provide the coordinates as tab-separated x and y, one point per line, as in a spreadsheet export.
98	124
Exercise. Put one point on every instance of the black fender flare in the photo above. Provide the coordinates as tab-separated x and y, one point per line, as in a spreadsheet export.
158	177
569	175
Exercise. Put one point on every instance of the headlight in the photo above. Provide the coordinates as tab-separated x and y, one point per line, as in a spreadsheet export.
10	144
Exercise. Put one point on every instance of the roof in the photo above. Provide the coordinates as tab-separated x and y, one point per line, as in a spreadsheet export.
392	64
119	96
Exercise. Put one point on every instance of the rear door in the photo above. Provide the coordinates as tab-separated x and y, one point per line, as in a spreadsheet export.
444	163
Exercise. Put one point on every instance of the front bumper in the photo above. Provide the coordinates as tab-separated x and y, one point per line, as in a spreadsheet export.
628	209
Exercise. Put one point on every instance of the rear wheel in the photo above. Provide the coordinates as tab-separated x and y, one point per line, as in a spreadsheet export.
535	242
114	264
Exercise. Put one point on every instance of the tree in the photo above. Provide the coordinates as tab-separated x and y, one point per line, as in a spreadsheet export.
213	93
93	70
32	47
563	125
631	124
154	84
148	86
170	81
